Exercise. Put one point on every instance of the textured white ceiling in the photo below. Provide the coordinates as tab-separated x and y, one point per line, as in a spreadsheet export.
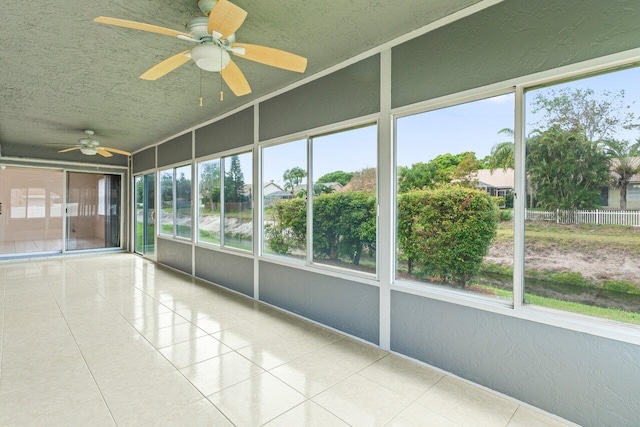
62	73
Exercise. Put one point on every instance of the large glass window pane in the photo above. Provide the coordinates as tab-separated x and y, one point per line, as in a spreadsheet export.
183	201
166	202
30	210
284	174
455	169
209	203
238	196
344	199
139	207
582	226
94	211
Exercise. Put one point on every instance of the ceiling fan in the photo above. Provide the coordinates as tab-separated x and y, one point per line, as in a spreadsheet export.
215	35
91	147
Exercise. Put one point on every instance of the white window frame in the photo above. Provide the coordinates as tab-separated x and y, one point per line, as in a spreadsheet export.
583	323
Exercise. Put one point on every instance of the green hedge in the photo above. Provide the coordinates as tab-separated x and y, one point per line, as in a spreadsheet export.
443	232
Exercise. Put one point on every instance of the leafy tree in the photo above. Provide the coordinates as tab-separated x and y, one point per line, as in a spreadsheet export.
183	188
419	176
337	176
289	227
293	177
625	162
210	183
166	189
234	182
139	190
363	180
465	173
440	170
566	170
596	115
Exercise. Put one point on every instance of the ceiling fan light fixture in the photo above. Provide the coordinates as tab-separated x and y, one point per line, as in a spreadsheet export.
89	151
210	57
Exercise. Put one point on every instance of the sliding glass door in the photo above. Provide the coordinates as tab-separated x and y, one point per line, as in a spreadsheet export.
145	235
93	211
31	204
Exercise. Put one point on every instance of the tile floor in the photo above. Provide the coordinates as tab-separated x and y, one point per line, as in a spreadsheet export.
115	340
11	247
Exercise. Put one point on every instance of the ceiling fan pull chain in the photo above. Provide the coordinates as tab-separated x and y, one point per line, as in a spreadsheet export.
221	93
201	87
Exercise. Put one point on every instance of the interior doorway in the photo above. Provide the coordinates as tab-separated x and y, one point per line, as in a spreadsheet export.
93	211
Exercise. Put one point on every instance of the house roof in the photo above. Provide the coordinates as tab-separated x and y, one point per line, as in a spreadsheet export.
498	178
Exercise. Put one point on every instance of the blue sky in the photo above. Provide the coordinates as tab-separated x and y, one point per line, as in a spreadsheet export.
421	137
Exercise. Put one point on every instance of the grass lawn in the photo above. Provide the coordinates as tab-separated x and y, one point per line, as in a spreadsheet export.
580	236
589	310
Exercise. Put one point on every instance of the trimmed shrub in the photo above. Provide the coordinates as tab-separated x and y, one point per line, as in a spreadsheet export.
446	231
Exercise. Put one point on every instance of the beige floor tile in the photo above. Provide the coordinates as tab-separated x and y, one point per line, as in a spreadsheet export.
467	404
257	400
417	415
311	374
276	351
41	373
145	402
402	376
193	351
362	402
172	335
243	334
525	417
307	414
218	322
28	403
220	372
158	321
145	310
123	373
352	354
199	414
103	352
93	413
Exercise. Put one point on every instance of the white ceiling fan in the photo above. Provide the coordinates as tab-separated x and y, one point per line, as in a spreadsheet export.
216	38
91	147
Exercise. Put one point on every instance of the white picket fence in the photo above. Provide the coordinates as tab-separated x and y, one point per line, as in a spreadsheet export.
602	217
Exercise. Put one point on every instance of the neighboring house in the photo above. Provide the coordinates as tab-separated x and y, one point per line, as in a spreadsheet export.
611	195
271	198
336	186
499	182
269	187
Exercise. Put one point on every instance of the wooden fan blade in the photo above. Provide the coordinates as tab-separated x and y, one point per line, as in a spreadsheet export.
225	18
140	26
103	152
166	66
273	57
117	151
234	78
69	149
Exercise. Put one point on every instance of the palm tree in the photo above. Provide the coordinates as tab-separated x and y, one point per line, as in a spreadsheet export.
625	162
503	154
